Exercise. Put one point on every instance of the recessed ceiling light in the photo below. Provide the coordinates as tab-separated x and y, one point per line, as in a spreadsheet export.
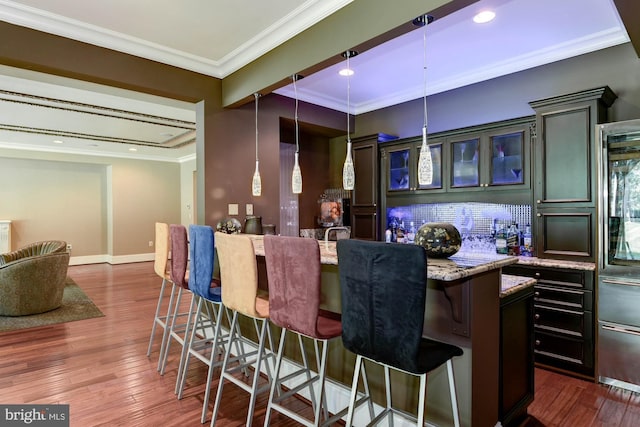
346	72
133	149
57	141
484	17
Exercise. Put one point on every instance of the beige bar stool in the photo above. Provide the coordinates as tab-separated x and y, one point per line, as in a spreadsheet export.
239	277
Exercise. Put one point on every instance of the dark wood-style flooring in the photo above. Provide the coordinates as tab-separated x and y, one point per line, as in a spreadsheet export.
100	368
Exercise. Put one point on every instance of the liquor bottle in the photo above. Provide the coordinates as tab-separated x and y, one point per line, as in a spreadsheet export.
411	232
513	240
501	240
527	248
400	233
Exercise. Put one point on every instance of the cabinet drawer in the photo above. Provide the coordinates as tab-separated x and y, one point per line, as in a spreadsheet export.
574	323
564	277
562	351
570	299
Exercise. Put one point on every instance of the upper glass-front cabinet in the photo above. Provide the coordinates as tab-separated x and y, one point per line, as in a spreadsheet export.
493	158
465	170
507	159
400	164
487	157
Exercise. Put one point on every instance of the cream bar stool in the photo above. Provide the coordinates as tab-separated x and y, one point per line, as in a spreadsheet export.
161	268
239	277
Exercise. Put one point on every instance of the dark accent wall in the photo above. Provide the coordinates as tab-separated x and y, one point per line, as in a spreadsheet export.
230	162
507	97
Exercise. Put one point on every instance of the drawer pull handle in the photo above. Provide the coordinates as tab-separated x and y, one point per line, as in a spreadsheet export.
536	294
620	282
537	342
537	274
536	316
621	330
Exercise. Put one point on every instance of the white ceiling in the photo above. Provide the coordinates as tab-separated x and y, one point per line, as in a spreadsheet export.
217	38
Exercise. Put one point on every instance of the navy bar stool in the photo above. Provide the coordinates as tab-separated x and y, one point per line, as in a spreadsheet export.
383	290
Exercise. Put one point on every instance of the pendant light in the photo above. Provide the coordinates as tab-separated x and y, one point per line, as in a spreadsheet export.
425	162
348	172
256	183
296	176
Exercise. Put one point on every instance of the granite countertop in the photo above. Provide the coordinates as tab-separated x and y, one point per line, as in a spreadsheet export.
512	284
558	263
456	267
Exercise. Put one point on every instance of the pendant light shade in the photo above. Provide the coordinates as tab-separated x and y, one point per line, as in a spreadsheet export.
348	172
296	175
256	183
425	162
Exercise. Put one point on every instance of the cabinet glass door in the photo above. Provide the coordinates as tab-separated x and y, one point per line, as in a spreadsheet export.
465	171
399	169
506	159
436	159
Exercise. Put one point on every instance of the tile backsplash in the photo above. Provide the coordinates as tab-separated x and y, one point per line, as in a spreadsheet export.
476	222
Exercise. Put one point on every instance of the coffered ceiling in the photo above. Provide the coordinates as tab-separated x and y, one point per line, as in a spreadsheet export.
218	37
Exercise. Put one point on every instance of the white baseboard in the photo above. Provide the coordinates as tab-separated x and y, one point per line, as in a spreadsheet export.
110	259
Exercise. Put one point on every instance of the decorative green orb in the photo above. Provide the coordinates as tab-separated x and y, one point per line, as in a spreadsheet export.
440	239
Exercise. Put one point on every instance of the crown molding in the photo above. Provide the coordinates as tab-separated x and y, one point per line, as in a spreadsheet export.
290	25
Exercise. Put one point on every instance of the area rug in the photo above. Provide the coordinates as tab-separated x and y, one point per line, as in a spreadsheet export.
76	305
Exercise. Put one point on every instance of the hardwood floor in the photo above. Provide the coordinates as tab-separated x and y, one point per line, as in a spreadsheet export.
100	368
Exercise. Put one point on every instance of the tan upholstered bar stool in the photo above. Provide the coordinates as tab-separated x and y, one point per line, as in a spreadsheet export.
239	277
293	270
161	268
383	290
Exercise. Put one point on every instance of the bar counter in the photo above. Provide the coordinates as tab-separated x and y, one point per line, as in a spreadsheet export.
462	308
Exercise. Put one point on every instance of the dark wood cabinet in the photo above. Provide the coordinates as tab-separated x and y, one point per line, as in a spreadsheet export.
516	356
491	157
563	318
565	173
399	163
364	197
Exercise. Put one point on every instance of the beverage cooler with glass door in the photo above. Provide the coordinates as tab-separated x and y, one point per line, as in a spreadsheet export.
619	261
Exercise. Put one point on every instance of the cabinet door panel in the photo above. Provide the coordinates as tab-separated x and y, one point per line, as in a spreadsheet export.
566	156
364	224
398	171
507	154
365	162
566	234
465	170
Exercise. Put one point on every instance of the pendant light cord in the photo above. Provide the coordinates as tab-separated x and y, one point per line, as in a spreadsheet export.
348	97
424	70
256	95
295	91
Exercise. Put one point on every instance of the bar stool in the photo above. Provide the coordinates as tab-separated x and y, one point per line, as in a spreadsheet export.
294	305
239	275
383	290
161	268
205	337
179	276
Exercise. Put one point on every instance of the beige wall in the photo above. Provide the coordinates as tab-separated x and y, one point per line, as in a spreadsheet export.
105	207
